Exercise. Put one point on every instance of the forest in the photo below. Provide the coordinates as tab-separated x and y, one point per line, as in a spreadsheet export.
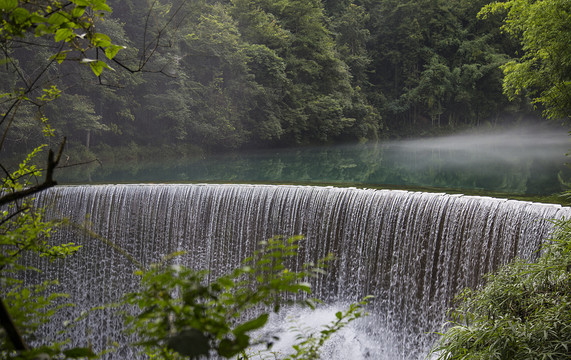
206	76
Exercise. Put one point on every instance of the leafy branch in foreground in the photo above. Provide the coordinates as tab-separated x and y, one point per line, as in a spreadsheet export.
523	312
69	22
23	309
184	314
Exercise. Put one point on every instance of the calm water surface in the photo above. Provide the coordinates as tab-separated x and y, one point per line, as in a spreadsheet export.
523	161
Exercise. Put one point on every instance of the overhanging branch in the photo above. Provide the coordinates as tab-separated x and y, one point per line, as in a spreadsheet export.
47	183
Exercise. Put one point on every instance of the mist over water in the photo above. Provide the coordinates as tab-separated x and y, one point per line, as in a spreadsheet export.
523	160
510	145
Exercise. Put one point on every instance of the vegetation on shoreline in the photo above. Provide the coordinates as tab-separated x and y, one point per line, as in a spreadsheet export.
522	312
226	75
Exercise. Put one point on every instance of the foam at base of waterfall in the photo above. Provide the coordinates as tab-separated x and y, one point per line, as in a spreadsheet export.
355	341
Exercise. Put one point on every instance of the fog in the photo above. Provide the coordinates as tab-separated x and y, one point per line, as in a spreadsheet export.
515	144
522	160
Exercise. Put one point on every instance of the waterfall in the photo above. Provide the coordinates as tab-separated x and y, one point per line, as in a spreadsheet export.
413	251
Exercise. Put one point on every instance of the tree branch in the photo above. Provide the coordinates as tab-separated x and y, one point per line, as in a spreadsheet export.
6	219
48	181
11	329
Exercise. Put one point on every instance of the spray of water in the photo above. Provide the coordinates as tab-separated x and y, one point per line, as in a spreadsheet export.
291	326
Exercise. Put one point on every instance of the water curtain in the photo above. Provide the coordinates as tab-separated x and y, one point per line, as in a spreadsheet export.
413	251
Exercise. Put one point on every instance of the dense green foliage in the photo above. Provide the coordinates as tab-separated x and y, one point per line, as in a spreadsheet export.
181	310
219	75
523	312
544	71
24	233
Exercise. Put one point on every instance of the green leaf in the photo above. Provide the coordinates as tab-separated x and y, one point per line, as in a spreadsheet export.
101	40
79	353
112	50
97	66
37	19
8	5
305	287
63	34
57	19
251	325
60	56
80	2
42	30
78	11
25	293
228	348
20	15
190	342
100	5
310	303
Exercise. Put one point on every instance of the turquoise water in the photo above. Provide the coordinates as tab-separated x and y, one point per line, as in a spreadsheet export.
524	161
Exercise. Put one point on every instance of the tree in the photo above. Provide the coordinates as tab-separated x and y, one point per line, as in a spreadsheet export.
435	63
544	71
523	311
306	83
71	27
348	23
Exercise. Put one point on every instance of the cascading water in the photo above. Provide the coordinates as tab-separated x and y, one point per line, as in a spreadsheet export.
412	251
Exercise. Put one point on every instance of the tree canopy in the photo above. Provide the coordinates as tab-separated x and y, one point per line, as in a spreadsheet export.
220	75
544	71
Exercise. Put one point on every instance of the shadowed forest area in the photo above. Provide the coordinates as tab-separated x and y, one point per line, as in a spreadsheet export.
212	75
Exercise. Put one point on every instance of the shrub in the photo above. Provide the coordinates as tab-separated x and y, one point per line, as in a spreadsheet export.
522	312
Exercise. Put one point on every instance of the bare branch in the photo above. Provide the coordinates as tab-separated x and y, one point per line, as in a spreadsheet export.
10	113
149	48
145	33
81	163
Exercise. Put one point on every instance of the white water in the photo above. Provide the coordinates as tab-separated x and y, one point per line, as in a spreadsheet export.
353	341
412	251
